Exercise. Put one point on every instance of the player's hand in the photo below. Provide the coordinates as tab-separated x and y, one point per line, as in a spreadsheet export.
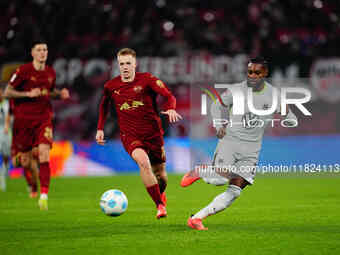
64	94
173	115
36	92
221	132
100	137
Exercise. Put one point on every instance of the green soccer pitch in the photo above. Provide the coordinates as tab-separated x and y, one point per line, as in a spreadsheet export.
277	215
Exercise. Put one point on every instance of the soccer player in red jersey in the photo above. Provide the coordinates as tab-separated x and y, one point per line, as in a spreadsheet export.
133	95
32	87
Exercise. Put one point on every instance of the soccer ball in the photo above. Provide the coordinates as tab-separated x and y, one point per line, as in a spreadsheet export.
113	202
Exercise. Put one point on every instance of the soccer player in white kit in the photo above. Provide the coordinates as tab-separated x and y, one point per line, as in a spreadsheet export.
5	139
240	141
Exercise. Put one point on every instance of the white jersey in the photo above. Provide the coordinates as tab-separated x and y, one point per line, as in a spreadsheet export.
4	111
248	127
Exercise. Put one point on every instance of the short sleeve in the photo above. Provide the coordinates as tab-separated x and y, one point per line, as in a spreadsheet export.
17	78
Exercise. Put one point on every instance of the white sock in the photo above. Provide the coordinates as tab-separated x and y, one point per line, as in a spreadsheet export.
43	196
220	202
218	181
4	168
3	173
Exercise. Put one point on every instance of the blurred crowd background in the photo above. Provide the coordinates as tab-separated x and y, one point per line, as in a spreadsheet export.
299	39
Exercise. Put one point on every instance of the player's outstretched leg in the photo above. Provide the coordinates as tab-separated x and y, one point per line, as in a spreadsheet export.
149	180
44	175
221	202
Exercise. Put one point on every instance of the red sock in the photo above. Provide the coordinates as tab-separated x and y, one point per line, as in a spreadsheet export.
155	194
162	185
44	176
28	176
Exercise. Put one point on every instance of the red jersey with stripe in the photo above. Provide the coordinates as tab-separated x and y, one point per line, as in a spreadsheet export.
135	104
27	78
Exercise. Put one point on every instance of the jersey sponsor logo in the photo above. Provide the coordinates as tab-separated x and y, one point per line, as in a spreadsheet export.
160	84
134	104
137	89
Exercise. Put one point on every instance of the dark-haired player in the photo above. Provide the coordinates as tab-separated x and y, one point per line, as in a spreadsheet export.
134	95
32	86
240	141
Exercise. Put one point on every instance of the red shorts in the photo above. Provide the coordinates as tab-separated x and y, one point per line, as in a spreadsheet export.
154	147
28	133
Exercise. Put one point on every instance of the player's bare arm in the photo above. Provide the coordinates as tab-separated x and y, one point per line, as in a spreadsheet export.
10	92
103	112
60	94
160	88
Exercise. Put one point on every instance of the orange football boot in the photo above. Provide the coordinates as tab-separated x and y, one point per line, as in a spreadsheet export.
161	211
189	178
196	224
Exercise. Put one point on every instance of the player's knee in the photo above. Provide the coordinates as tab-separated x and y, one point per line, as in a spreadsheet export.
44	156
144	165
24	160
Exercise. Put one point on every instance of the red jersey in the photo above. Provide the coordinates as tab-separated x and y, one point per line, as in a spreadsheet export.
27	78
135	104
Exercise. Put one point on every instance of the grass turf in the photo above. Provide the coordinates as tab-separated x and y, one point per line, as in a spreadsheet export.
295	215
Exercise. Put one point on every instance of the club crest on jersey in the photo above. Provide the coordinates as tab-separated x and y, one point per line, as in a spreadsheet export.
33	78
160	83
137	89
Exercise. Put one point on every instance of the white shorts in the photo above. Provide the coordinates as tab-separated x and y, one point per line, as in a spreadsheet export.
234	158
5	144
